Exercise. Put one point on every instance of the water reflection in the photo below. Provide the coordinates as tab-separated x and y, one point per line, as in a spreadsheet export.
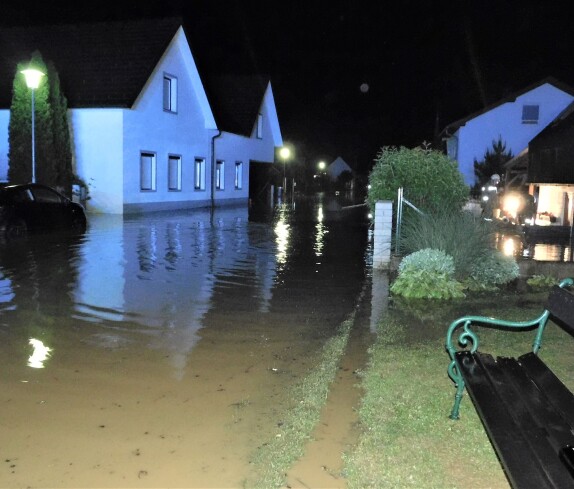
554	250
40	353
151	280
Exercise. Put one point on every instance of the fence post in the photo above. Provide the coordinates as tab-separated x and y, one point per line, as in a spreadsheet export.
382	234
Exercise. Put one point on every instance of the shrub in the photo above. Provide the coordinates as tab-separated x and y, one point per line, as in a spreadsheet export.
427	274
459	234
431	181
542	281
493	270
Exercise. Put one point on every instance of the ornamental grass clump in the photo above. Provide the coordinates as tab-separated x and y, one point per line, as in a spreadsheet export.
427	274
459	234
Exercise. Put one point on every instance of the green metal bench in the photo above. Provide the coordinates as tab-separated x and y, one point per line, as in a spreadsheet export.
527	412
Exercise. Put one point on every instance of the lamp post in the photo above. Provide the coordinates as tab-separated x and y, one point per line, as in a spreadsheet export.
33	78
285	153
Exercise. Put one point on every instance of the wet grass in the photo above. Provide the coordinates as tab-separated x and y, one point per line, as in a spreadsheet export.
308	397
407	439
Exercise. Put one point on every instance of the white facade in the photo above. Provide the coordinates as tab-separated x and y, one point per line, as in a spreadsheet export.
148	157
472	139
338	166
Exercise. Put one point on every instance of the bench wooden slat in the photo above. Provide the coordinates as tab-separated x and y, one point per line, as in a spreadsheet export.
560	303
521	464
532	414
558	393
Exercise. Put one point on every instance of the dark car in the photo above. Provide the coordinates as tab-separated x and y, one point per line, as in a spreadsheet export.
31	207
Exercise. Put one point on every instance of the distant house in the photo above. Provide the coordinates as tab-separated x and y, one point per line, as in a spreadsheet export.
148	131
337	167
550	170
516	119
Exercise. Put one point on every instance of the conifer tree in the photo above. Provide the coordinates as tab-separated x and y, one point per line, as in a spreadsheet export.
52	136
492	162
62	148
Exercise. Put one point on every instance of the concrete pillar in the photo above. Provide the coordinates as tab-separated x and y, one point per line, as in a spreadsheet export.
382	234
379	297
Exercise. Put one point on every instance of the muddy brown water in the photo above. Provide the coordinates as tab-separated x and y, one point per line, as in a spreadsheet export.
158	351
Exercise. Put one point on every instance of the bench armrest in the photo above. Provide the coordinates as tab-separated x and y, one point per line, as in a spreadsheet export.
461	337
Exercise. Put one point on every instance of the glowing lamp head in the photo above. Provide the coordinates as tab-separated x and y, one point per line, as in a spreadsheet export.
284	152
322	165
33	77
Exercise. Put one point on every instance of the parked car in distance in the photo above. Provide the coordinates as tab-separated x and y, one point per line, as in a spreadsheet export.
31	208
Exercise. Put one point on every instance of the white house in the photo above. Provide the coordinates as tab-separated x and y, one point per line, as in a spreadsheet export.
336	167
516	119
145	132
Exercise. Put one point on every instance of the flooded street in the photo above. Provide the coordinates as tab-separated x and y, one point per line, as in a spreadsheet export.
158	350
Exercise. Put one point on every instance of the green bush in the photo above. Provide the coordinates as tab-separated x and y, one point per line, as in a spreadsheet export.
493	270
459	234
542	281
427	274
431	181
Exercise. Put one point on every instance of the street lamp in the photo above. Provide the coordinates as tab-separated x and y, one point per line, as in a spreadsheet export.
321	166
33	78
284	153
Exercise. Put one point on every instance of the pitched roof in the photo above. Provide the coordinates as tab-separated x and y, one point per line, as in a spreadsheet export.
235	101
106	64
454	126
103	64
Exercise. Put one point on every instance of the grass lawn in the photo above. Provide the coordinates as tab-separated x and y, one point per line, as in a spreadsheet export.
407	438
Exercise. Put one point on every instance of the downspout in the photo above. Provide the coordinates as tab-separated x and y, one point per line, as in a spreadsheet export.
213	168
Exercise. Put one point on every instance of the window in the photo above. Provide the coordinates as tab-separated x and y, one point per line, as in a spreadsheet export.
169	93
147	171
199	174
174	173
530	114
220	175
238	175
260	126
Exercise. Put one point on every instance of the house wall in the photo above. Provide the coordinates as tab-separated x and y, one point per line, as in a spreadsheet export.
477	135
97	148
184	133
557	200
4	120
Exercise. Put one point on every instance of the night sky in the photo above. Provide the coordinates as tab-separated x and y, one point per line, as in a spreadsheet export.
348	77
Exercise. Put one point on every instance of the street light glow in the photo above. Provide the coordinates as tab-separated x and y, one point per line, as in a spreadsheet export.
33	77
284	152
322	165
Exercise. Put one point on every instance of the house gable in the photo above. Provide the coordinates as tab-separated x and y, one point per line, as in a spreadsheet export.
511	119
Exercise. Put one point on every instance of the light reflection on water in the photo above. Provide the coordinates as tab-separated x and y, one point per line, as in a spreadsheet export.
152	280
515	245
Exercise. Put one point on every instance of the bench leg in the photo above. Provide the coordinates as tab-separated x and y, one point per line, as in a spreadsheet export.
456	377
454	414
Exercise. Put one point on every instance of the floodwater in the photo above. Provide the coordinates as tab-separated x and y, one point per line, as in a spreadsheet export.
157	351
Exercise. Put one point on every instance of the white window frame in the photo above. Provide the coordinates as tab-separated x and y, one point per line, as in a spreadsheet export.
199	174
174	173
238	175
527	117
259	131
220	175
169	93
148	171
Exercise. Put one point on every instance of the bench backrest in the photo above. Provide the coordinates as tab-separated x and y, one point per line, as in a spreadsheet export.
560	304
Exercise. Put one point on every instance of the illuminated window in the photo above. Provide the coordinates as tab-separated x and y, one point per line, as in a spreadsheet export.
238	175
260	126
147	171
220	175
530	114
169	93
174	172
199	174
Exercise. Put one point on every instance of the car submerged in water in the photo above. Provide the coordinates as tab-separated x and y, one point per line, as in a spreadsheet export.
34	208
